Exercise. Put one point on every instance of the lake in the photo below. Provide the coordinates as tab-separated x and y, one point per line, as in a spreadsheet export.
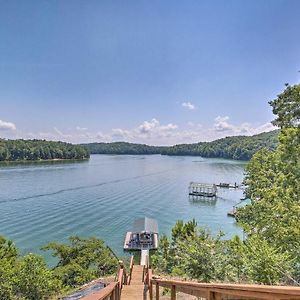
43	202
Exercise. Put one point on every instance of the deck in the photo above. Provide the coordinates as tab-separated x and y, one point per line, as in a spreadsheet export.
128	245
144	235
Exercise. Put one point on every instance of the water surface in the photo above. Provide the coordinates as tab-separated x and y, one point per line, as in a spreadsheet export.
43	202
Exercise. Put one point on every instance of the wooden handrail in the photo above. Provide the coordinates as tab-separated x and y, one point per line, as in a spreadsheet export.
218	291
147	276
113	290
145	270
130	269
121	277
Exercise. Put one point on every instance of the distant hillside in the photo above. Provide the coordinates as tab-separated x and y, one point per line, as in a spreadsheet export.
31	150
122	148
234	147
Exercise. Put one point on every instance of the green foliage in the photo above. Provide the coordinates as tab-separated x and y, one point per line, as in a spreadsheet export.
8	249
82	260
8	260
207	258
29	277
34	280
204	257
182	231
7	278
31	150
273	185
287	107
121	148
237	147
264	262
24	277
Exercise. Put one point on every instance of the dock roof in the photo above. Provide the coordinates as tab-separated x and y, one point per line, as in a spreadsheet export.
145	225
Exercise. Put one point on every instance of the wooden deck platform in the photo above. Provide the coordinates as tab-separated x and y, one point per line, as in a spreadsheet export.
228	185
128	245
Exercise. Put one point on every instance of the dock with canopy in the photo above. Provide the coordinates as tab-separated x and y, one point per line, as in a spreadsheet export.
144	235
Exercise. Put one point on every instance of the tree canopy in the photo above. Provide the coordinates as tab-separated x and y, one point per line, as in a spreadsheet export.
235	147
193	252
82	260
28	277
273	179
31	150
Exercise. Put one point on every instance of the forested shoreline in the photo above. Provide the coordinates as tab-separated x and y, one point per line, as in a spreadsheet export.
234	147
35	150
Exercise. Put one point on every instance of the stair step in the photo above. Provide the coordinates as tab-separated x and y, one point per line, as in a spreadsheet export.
134	291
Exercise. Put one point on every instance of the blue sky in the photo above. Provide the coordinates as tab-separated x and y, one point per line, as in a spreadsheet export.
158	72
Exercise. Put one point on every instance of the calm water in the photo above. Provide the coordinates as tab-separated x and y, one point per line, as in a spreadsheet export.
101	197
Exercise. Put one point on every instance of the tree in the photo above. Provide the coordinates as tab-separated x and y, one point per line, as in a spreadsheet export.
265	263
7	279
8	249
82	260
287	107
273	186
14	150
34	280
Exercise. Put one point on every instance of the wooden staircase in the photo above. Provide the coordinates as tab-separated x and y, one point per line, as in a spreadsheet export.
135	290
139	284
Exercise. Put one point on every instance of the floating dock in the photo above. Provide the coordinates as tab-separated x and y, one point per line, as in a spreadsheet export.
202	189
144	235
227	185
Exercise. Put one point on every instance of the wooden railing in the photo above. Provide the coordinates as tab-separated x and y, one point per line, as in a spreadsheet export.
214	291
147	277
113	290
130	269
146	269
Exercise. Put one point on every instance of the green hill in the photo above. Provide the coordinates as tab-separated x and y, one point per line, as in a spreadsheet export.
234	147
32	150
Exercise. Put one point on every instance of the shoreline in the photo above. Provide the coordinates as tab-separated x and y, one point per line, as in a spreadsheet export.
44	160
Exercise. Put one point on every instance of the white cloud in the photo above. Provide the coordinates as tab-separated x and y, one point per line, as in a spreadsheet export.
147	126
151	132
119	133
81	128
265	128
222	125
188	105
101	137
7	125
61	134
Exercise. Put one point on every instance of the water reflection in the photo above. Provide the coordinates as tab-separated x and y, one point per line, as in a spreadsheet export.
201	200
